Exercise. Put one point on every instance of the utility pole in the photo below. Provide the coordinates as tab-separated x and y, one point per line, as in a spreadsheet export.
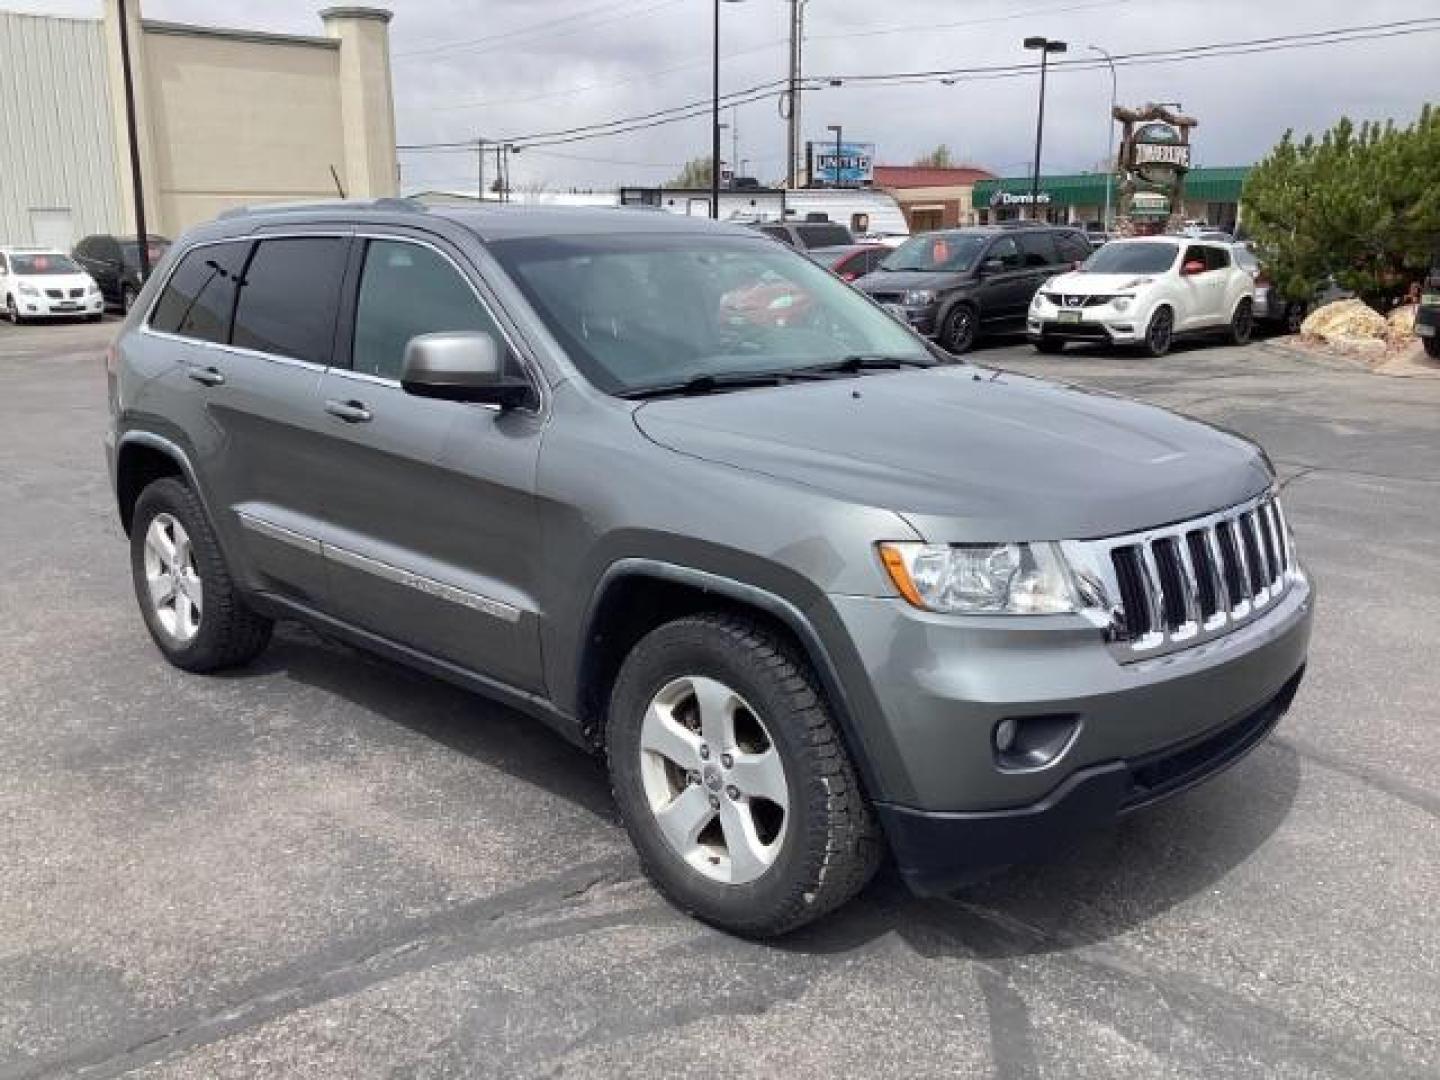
734	143
142	235
797	38
480	169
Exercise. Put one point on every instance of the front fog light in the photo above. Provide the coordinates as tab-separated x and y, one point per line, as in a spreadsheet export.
1121	303
981	579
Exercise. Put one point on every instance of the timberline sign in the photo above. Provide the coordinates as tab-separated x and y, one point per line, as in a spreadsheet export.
1154	158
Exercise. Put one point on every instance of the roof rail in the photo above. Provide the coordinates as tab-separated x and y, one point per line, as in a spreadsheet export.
384	203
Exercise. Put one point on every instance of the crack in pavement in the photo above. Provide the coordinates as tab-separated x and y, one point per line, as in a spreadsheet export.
411	946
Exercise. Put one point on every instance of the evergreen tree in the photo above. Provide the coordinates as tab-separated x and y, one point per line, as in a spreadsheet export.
939	158
695	174
1361	203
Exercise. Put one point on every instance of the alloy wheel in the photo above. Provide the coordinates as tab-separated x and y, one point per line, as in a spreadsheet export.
960	330
713	779
1242	323
176	593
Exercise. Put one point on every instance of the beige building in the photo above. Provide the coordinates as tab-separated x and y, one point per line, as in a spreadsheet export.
224	117
932	198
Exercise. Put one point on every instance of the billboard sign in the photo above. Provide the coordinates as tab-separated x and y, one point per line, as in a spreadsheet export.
855	164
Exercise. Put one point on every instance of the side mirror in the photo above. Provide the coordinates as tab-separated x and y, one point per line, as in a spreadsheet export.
1194	266
461	365
992	266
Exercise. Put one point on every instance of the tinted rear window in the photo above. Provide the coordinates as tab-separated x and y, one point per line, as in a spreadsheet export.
288	301
1038	248
823	234
200	295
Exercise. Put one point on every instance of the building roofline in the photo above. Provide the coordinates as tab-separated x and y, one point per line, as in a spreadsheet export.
226	33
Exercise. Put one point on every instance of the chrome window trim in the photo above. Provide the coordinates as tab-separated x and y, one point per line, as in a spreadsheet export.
396	575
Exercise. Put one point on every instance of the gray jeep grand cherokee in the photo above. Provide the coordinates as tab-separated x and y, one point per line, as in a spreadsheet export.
814	591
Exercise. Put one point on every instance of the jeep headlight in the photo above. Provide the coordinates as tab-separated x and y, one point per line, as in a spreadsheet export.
981	579
28	290
919	297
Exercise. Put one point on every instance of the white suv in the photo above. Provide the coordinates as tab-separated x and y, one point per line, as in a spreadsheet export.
1145	291
38	283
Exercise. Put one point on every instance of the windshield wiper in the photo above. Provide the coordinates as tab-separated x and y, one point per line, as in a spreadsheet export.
718	383
858	362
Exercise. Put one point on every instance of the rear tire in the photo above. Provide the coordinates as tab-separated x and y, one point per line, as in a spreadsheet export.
1242	324
769	829
185	591
1160	332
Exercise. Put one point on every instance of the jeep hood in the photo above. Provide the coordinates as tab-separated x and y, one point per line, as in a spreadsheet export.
970	454
888	281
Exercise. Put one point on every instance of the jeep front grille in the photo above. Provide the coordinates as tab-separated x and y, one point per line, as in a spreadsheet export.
1183	584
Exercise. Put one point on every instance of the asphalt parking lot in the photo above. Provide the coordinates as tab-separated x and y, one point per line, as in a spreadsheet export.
328	866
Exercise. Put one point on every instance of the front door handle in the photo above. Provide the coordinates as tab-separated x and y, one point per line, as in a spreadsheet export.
208	376
352	412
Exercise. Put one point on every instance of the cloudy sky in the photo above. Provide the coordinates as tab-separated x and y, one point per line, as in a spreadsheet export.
512	68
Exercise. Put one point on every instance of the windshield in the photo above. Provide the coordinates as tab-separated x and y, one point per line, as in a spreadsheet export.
130	252
645	311
44	263
936	251
1145	258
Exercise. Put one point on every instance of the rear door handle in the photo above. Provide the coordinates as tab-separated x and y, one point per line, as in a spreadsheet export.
208	376
352	412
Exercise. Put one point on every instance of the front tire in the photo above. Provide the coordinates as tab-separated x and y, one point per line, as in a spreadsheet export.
12	311
732	780
1160	333
1432	347
186	594
960	329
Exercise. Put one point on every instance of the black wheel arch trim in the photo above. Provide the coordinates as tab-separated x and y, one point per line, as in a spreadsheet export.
173	450
848	701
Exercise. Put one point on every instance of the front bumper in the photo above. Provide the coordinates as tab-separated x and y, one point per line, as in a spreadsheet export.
46	307
939	852
1103	323
943	685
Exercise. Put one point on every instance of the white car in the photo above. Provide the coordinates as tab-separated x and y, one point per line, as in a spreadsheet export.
37	283
1145	291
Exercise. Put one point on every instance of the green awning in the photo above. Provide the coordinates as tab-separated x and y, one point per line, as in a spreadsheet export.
1088	189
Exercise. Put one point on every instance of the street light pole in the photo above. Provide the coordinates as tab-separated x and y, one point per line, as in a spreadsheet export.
1110	141
1046	47
715	114
838	143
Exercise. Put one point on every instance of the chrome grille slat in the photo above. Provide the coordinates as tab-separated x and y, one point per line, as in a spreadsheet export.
1191	582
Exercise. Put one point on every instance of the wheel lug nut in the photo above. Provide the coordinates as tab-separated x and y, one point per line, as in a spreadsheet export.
733	792
727	760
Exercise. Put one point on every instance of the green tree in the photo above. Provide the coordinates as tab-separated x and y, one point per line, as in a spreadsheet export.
695	174
939	158
1361	203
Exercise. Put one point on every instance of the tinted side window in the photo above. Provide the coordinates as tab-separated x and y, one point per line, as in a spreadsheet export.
405	290
288	298
823	234
1072	247
1216	258
1038	249
778	232
200	296
1006	251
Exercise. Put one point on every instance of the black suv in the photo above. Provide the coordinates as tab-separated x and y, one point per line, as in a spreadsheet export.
958	284
1427	315
114	263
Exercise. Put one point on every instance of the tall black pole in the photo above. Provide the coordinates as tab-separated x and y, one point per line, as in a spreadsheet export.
136	182
715	121
837	155
1039	133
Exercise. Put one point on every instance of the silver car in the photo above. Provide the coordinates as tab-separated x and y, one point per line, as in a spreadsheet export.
812	589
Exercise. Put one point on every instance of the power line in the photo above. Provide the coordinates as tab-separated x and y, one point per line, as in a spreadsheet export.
930	28
491	42
690	110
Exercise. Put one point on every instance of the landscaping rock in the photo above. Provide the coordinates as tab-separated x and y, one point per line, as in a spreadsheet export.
1345	323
